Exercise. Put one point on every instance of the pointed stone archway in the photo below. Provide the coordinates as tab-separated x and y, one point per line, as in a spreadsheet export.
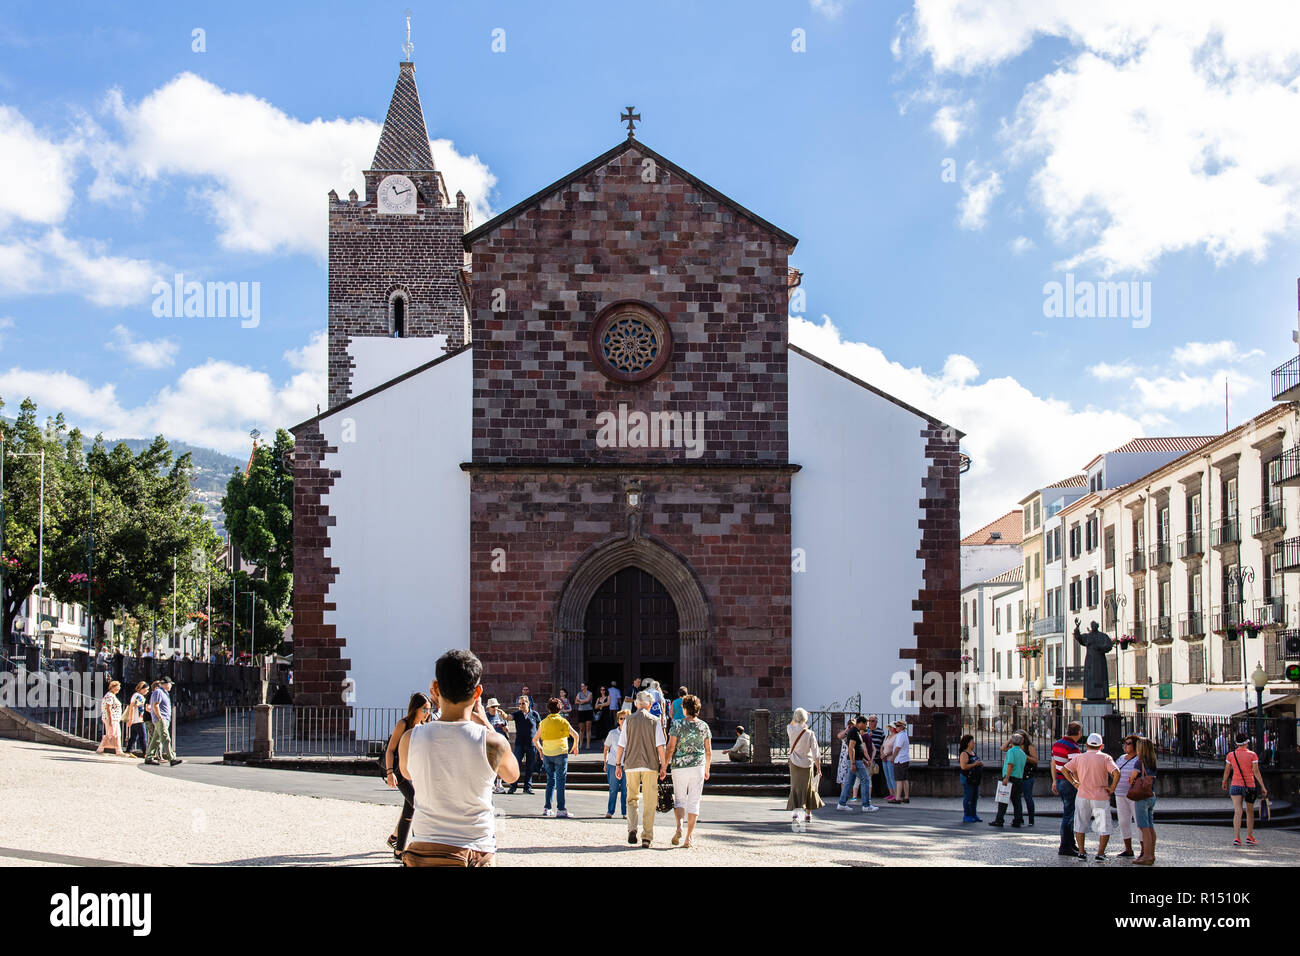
698	668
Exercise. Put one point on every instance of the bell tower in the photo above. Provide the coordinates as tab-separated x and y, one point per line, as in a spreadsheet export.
398	273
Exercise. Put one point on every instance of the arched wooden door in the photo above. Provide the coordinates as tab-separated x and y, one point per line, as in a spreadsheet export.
631	630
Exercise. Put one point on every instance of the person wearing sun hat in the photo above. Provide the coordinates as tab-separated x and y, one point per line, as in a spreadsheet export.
1094	774
902	758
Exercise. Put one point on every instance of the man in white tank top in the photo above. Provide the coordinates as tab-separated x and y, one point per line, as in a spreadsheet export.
452	762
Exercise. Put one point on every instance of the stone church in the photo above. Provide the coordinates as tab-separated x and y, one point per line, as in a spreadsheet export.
576	439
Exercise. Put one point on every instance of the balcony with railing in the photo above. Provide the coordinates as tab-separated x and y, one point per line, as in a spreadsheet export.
1161	631
1286	381
1225	531
1158	554
1267	519
1191	625
965	632
1269	613
1288	467
1136	561
1226	616
1191	545
1050	626
1286	555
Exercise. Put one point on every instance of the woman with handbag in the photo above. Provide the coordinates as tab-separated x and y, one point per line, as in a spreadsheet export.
110	714
972	772
1142	794
1242	767
690	752
805	767
1127	765
1031	764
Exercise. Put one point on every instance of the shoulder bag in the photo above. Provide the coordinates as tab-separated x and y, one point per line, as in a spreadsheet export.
1143	787
1252	793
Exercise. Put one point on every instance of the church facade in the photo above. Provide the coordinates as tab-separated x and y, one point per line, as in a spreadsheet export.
576	439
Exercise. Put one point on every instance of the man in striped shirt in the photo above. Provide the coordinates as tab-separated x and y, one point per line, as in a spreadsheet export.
1062	751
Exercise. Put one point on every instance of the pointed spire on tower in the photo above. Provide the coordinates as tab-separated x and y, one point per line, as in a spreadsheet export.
404	143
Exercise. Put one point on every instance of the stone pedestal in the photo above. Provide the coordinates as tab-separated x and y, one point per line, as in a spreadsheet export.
1095	710
762	736
262	741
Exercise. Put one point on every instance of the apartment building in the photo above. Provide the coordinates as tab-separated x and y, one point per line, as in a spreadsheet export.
1193	558
992	671
1044	568
991	549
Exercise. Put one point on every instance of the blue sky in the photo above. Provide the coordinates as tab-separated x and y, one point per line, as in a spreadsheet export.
1107	143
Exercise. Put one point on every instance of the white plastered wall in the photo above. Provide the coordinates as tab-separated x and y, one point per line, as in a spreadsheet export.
855	508
401	534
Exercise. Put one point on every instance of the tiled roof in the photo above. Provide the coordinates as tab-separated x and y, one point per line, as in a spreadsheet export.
404	143
1074	481
1178	443
1009	576
1009	527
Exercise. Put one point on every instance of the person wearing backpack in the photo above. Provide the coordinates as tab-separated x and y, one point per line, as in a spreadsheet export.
1242	766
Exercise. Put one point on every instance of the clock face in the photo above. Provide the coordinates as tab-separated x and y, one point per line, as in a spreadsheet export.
396	195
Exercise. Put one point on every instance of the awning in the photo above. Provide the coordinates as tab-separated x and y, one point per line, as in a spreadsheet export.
1221	703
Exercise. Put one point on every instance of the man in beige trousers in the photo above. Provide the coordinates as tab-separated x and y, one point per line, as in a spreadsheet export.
641	746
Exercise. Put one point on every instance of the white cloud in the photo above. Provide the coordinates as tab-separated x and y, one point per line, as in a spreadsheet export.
261	175
1203	353
36	173
1184	393
213	404
952	120
312	357
978	188
1005	422
1150	133
53	263
158	353
828	8
1107	372
1020	245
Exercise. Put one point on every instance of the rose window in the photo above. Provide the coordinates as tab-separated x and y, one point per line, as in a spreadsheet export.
630	342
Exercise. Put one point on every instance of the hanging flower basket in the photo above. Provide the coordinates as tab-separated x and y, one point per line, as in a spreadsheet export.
1231	634
966	658
1250	628
1128	640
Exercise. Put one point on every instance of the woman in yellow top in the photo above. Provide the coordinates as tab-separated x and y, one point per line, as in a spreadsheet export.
553	738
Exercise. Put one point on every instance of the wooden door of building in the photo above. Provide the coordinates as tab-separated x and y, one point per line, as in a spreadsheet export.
631	631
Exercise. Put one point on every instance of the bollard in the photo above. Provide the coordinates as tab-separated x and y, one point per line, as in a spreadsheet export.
1111	734
263	746
939	740
762	737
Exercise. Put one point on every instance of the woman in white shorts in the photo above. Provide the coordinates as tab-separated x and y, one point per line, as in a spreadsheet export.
690	751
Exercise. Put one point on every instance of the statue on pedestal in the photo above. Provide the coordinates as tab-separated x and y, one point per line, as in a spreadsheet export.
1096	674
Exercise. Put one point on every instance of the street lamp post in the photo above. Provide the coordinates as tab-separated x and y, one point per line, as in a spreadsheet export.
1260	679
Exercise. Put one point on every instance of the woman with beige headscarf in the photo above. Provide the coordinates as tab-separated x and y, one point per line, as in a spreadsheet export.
805	766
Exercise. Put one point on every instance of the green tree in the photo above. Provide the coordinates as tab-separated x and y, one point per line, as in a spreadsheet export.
145	529
20	567
258	506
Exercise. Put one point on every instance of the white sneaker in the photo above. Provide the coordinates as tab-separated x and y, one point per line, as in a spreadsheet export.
870	809
563	814
843	807
548	812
